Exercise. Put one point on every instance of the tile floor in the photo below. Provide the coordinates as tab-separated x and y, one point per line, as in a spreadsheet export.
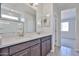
63	51
68	42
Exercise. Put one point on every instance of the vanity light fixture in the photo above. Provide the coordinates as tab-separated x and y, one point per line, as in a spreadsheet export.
8	16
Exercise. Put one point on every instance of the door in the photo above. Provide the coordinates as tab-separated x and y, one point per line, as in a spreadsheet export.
35	50
44	48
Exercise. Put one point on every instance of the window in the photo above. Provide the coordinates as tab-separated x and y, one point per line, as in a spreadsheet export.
65	26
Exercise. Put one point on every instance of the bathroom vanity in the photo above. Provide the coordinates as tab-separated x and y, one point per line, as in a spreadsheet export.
38	46
24	32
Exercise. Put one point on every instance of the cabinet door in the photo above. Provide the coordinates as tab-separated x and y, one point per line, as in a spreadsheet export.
35	50
4	52
44	48
25	52
48	46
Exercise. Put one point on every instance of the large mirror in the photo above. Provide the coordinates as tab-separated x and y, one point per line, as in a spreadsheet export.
17	20
11	24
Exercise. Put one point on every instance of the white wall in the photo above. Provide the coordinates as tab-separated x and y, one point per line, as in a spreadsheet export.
43	10
39	14
47	13
57	17
29	24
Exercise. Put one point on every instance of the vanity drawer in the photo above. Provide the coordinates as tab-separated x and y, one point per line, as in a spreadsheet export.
19	47
25	52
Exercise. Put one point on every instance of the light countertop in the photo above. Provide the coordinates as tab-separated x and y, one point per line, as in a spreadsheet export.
16	40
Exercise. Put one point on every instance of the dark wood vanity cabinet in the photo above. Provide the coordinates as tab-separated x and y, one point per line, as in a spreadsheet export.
26	49
36	47
31	51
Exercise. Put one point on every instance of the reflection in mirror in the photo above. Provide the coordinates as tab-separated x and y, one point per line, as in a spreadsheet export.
20	29
10	28
10	23
8	16
16	20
